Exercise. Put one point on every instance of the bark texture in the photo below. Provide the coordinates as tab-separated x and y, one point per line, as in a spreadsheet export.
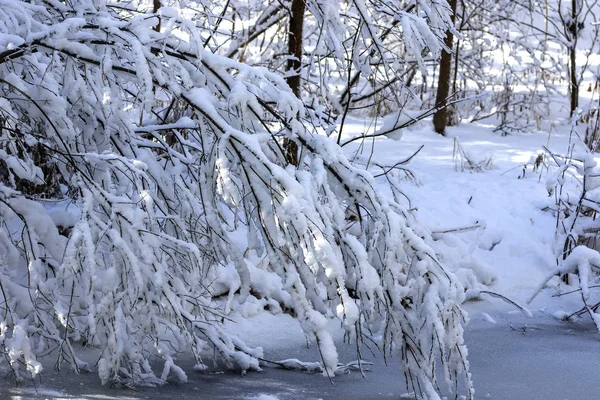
294	65
440	118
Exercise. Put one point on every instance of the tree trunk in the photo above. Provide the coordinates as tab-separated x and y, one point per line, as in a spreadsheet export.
155	7
294	66
573	83
440	118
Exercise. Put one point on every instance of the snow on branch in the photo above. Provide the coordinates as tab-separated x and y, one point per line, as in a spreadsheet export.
167	158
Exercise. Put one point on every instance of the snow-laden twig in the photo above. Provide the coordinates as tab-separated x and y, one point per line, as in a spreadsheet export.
172	157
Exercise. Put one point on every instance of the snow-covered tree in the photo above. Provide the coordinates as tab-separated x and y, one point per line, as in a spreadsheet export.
357	56
573	185
142	176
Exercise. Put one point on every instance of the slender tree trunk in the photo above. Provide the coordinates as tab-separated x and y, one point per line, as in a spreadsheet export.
455	75
440	118
573	83
294	66
155	7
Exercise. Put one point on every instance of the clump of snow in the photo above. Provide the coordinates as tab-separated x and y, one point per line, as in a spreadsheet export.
262	397
394	124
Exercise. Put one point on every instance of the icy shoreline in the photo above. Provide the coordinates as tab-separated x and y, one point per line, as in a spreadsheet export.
514	358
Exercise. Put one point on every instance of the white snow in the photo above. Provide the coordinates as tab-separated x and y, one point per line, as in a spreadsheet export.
492	228
217	244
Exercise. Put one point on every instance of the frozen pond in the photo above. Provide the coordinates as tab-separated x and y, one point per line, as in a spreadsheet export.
516	358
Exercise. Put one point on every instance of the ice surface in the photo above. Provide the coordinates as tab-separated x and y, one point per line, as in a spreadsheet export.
517	358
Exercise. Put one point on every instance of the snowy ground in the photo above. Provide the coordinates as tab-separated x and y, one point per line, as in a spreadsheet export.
509	250
490	226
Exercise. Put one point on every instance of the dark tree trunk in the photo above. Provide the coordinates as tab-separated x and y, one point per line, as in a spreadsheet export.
294	66
573	84
155	7
440	118
574	32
